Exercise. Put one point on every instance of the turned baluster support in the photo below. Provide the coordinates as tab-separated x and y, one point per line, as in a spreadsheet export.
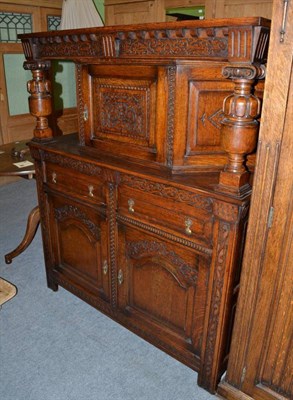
40	102
239	127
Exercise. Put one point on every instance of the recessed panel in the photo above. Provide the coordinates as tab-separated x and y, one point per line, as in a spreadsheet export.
205	114
122	110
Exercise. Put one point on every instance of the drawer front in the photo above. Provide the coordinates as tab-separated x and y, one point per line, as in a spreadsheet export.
71	182
178	217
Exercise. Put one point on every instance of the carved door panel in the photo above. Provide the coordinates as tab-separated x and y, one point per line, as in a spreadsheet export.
162	285
123	109
79	245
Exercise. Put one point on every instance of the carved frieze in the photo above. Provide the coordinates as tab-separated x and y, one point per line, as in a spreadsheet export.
69	211
167	191
80	166
145	248
71	45
176	47
199	42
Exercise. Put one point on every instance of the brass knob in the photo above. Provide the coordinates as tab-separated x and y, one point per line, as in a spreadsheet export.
105	267
130	205
91	190
120	277
54	177
188	224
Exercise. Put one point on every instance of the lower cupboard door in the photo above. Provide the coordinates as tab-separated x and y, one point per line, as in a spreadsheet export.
162	292
79	240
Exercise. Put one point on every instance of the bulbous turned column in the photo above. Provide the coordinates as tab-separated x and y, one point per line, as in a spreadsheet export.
40	102
239	127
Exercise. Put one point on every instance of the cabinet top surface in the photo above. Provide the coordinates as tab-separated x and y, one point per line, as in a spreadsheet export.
214	39
67	146
207	23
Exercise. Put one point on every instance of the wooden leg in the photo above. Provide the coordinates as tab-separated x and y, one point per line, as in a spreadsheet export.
31	228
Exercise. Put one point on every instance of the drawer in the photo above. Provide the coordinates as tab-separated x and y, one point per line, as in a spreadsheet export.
71	182
179	218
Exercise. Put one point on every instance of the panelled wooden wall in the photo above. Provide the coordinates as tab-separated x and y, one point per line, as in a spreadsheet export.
139	11
240	8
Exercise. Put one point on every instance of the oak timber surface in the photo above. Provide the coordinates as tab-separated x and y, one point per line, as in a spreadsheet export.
155	188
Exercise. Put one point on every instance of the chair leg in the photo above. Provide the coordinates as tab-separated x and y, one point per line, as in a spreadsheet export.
31	228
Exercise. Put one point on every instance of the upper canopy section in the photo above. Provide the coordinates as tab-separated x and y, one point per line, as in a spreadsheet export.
243	40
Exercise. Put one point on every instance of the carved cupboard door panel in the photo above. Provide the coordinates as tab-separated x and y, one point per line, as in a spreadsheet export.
162	290
79	244
124	110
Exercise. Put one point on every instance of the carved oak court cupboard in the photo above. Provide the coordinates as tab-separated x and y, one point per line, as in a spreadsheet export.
144	211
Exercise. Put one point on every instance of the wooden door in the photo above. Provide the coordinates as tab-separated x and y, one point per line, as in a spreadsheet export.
261	357
162	290
130	12
79	246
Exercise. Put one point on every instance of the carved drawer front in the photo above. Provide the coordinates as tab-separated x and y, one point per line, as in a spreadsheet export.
71	182
177	217
79	243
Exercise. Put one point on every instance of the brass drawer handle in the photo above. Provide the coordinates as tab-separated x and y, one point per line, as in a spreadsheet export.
120	277
105	267
130	205
188	224
91	190
54	177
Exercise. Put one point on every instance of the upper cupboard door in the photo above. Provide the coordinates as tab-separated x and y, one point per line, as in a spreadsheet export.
123	109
